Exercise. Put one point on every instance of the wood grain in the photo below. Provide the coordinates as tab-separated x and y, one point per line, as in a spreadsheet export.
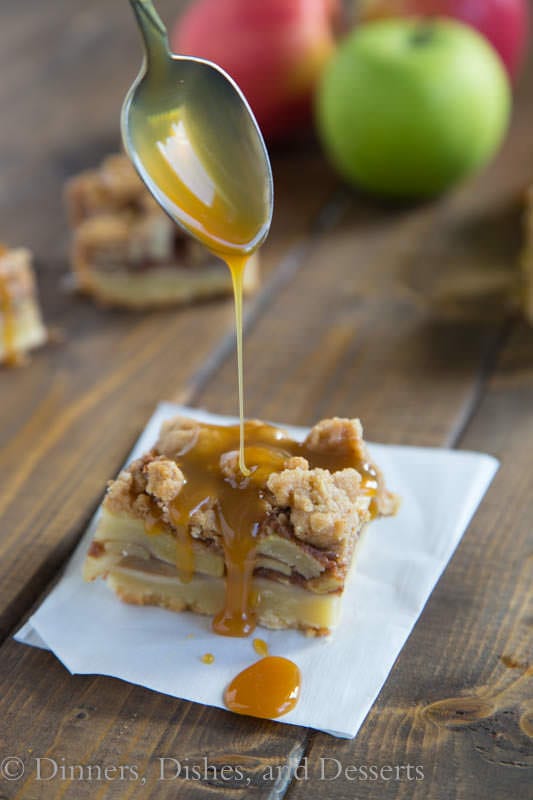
338	328
458	701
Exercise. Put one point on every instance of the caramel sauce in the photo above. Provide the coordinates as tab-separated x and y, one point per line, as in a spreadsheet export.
268	689
260	647
195	157
7	311
214	481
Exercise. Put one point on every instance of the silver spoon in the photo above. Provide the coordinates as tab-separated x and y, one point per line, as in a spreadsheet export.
194	141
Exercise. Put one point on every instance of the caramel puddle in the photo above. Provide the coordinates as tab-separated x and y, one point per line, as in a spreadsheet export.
267	689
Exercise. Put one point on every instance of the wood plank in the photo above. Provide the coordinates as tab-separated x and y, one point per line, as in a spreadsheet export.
458	702
60	435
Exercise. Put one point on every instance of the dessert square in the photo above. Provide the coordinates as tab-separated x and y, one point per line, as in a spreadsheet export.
125	251
182	528
21	327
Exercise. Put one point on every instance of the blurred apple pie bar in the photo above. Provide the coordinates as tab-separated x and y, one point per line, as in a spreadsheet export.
125	250
21	327
184	528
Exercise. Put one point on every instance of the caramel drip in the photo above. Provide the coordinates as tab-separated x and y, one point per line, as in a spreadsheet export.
237	618
268	689
260	647
237	265
235	504
7	311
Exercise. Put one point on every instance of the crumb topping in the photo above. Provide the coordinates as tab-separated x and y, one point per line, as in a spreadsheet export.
164	479
177	436
321	508
344	436
229	466
323	505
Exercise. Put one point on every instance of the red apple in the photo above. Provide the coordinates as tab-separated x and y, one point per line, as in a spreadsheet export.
503	22
275	50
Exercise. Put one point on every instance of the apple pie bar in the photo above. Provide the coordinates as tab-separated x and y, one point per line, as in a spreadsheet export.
21	327
184	528
126	252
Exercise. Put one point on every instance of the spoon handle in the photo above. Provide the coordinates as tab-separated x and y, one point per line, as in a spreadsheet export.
153	31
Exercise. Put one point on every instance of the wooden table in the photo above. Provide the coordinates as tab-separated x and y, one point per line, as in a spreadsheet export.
335	329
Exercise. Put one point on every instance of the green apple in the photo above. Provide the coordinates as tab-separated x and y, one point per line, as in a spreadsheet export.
408	107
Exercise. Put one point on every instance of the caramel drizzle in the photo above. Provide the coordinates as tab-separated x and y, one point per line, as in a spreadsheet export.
197	162
237	265
237	503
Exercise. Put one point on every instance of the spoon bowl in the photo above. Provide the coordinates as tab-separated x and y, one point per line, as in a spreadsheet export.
195	143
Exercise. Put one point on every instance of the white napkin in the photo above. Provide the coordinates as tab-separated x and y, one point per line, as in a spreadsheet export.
398	564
